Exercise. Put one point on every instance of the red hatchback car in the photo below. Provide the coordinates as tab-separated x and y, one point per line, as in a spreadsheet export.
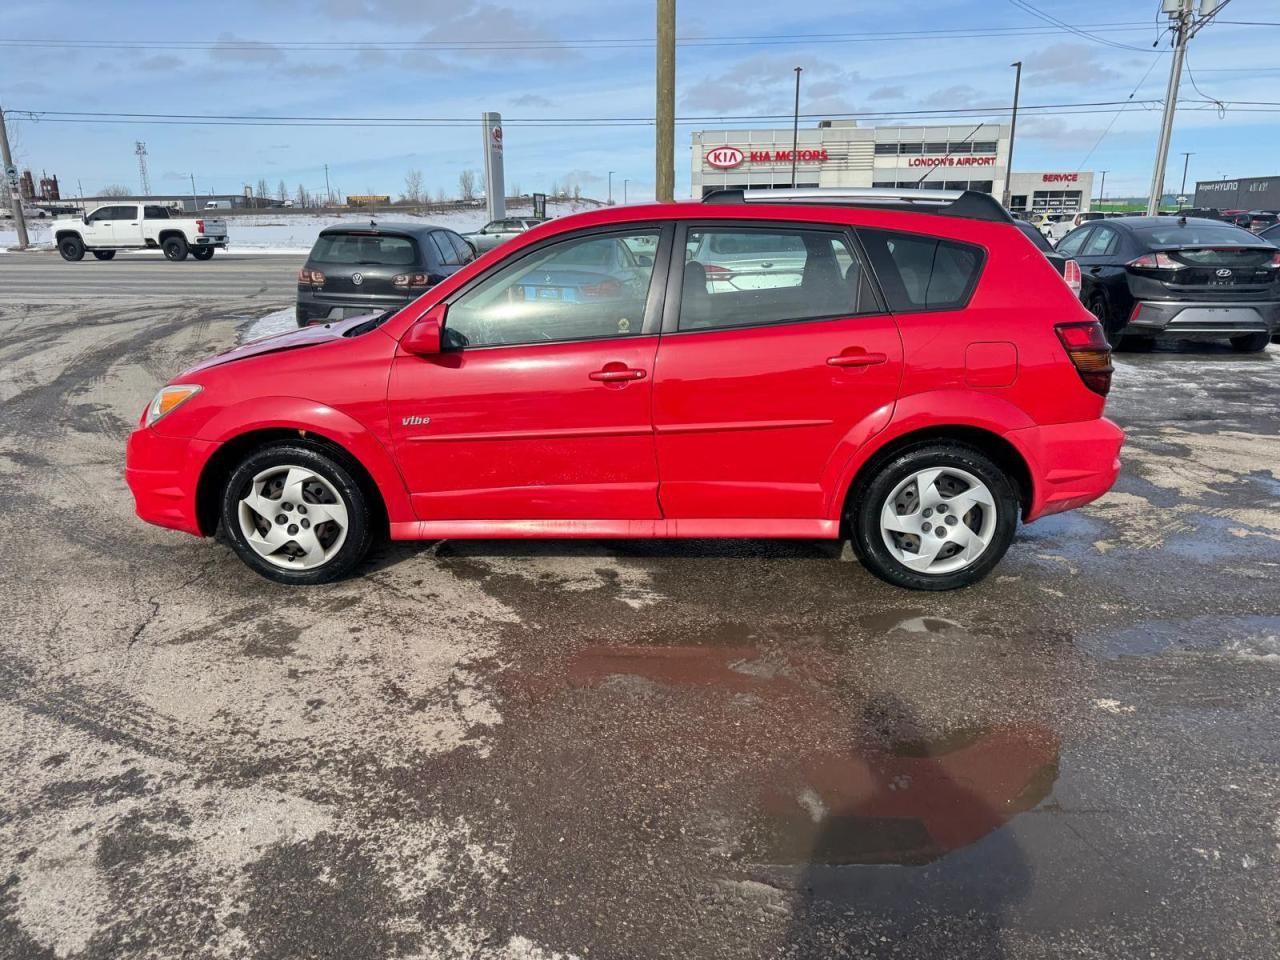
905	369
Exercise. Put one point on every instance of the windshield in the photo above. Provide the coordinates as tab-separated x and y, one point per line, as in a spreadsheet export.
1194	232
365	249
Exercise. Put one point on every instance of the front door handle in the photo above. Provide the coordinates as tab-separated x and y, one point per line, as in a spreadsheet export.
616	373
858	358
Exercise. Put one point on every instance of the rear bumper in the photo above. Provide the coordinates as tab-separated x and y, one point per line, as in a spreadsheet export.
315	306
1202	320
1071	463
209	242
162	473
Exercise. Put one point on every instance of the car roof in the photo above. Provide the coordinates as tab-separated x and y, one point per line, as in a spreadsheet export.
391	228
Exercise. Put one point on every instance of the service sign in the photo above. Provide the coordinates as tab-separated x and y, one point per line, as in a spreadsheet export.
1061	178
724	158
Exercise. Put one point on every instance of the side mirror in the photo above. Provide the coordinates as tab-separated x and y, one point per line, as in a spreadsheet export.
644	260
425	338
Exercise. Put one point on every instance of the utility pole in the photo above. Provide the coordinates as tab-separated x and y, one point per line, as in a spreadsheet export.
665	139
1186	159
1013	129
11	182
1180	11
328	194
795	130
195	204
1102	194
611	188
140	149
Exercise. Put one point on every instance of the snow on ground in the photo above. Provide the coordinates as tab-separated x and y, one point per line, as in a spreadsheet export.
282	232
282	321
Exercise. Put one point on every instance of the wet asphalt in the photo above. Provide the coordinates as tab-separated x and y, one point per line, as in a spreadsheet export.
632	749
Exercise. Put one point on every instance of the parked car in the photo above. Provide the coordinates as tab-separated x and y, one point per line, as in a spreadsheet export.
496	232
1271	235
1259	220
942	385
1059	225
28	212
354	270
137	226
1200	213
1152	277
1067	268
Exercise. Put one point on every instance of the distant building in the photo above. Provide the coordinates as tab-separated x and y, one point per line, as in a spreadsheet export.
1245	193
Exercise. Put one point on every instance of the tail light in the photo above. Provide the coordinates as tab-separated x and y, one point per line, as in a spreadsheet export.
605	288
1275	262
410	280
313	277
199	226
1155	261
714	270
1071	274
1089	351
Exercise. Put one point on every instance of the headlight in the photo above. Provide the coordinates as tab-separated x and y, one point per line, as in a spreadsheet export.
169	399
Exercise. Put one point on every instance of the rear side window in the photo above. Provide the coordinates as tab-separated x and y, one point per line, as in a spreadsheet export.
460	248
748	277
922	273
448	255
1102	243
1069	246
155	213
365	249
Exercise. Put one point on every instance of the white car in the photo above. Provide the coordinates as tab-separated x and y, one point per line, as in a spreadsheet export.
138	226
28	212
1058	225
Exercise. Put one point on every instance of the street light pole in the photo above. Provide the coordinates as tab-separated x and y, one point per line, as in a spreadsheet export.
1186	159
611	188
795	130
625	181
1013	129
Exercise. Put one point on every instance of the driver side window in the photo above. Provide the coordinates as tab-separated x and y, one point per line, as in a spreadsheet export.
589	288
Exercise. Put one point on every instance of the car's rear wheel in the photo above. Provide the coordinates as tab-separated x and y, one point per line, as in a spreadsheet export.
1250	342
71	248
175	248
202	253
934	517
296	514
1097	305
103	254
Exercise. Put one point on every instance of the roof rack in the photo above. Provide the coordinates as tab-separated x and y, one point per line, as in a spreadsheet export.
968	204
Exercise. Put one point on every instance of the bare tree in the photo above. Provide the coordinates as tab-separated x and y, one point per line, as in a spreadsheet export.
577	191
441	196
282	192
413	187
302	196
262	192
467	184
115	190
515	190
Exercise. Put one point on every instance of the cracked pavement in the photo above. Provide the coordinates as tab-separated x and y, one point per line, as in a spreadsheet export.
631	749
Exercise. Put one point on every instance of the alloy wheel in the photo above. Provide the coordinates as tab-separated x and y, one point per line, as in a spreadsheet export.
938	520
293	518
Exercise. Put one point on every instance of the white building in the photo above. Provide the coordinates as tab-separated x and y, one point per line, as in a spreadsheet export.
838	153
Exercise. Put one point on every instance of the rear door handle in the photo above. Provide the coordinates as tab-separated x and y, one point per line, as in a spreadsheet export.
612	374
858	359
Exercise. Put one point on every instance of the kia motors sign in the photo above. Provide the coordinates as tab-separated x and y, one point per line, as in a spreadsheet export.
724	158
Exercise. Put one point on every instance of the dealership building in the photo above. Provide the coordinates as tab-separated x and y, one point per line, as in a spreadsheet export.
839	153
1248	193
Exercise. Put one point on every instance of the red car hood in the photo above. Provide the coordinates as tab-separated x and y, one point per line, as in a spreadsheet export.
292	340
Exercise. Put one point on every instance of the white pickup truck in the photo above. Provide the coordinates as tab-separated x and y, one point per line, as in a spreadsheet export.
137	226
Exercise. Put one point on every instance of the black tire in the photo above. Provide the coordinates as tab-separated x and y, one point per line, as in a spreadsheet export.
1137	344
71	248
1250	342
1097	305
340	474
175	248
863	516
202	253
103	254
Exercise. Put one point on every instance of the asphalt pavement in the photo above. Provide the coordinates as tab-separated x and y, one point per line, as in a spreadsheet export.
692	749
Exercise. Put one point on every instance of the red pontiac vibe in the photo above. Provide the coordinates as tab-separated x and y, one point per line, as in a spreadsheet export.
907	370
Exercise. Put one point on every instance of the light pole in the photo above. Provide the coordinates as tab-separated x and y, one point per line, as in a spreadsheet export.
795	130
1186	159
1102	194
1013	129
625	181
611	188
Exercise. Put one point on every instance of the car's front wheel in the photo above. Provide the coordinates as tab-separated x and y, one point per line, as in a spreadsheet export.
1250	342
295	513
71	249
934	517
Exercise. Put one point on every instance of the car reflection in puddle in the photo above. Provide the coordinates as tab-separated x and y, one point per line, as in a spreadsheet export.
909	799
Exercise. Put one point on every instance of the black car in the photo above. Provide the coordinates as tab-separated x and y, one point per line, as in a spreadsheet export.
1271	235
1150	277
366	269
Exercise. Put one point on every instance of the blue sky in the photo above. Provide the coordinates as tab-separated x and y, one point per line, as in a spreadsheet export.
248	62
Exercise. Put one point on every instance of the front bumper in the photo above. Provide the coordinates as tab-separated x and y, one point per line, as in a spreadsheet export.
1201	320
1071	463
163	473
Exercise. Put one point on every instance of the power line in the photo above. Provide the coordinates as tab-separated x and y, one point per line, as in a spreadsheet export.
1027	7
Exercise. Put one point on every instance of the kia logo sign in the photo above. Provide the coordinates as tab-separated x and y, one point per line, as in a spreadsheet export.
725	158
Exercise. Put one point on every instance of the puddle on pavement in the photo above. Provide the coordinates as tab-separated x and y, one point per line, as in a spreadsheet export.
1251	638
